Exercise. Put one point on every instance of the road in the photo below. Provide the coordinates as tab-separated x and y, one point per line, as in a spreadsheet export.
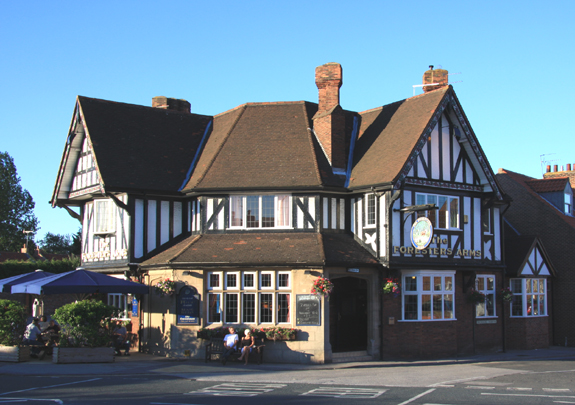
516	382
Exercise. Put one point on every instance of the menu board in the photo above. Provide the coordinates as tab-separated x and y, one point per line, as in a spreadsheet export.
188	306
308	309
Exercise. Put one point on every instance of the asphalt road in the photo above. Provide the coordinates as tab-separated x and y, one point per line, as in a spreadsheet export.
520	382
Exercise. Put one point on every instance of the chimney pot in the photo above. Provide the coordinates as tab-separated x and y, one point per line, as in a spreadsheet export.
568	167
548	168
328	79
439	76
555	167
171	104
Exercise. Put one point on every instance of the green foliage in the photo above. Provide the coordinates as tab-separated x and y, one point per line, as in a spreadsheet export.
61	244
11	268
16	207
12	322
86	323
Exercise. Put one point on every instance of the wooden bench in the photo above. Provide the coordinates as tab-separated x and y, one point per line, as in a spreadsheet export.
216	346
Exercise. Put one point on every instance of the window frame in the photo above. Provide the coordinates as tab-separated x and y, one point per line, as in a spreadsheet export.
272	279
279	274
281	214
370	210
524	297
254	274
122	299
420	292
488	293
106	208
219	311
220	285
434	215
237	276
277	307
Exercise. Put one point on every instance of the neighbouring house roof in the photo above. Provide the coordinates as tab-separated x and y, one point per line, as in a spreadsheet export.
555	184
518	248
265	249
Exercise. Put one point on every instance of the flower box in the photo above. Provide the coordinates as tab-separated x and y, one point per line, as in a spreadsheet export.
64	355
14	353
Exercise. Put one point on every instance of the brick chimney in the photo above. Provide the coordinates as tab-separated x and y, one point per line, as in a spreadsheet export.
329	121
171	104
438	76
568	172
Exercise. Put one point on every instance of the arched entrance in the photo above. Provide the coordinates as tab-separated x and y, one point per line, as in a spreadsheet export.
348	315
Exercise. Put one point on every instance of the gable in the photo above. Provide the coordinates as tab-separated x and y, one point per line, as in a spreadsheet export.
535	264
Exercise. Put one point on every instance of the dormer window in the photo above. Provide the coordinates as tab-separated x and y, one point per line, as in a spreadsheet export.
260	211
104	216
568	201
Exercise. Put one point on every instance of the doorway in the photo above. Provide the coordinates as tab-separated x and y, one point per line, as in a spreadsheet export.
348	315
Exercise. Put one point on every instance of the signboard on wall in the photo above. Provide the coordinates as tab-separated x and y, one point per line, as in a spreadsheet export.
188	306
308	310
135	307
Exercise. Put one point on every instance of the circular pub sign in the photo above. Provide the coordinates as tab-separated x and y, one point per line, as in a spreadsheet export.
421	233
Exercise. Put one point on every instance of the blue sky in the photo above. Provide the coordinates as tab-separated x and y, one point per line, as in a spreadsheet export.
514	62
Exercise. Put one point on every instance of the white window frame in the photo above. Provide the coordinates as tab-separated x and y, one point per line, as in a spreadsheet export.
420	293
271	286
273	308
119	301
104	216
525	296
433	215
240	202
370	222
220	283
486	213
276	307
255	280
235	274
238	308
220	308
568	202
279	274
480	308
255	314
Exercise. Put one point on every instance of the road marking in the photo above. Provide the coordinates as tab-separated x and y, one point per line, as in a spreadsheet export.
418	396
519	389
556	390
528	395
337	392
236	389
479	387
12	400
50	386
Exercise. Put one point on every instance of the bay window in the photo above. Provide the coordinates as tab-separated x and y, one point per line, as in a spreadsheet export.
260	211
428	296
249	297
529	297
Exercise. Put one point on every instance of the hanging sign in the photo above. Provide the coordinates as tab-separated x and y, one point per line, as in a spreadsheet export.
421	233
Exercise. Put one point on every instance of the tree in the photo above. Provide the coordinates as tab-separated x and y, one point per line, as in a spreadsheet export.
16	207
61	244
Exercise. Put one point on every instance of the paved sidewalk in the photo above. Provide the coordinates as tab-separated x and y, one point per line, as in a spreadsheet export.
140	363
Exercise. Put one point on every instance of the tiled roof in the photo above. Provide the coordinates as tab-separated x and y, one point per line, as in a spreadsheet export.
264	146
556	184
388	136
142	148
266	249
517	250
13	256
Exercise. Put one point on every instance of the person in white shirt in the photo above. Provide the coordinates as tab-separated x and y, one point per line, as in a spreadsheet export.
230	344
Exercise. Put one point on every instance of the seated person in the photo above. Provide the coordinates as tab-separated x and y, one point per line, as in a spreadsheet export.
43	324
247	345
33	337
230	344
120	339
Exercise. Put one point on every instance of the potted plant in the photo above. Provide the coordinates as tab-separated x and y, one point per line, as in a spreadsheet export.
87	328
165	287
12	327
391	286
475	296
506	294
322	286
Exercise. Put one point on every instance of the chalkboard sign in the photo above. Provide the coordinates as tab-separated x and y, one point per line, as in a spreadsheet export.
188	306
307	309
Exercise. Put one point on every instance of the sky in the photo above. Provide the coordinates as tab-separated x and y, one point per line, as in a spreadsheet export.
511	64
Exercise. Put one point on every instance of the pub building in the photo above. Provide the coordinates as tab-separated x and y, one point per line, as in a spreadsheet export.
231	218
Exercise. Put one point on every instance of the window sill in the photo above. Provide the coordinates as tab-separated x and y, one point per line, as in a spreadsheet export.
426	320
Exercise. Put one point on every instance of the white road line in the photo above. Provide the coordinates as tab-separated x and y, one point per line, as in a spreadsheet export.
12	400
528	395
519	389
556	390
50	386
344	392
479	387
417	396
236	389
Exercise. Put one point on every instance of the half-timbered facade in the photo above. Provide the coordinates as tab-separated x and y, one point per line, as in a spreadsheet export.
248	207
